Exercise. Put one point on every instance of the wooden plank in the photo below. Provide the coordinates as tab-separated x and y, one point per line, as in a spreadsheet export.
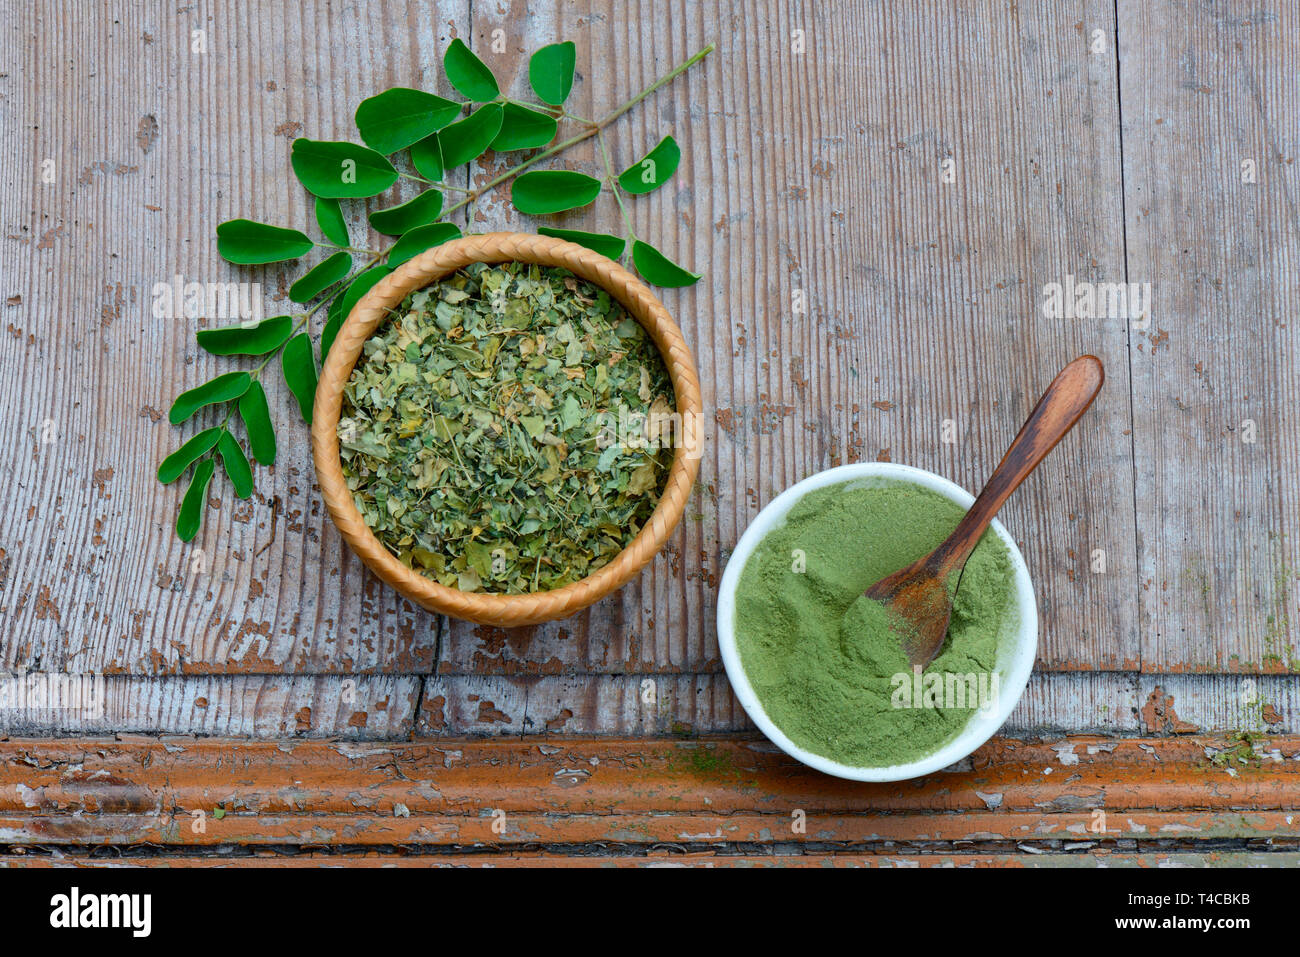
724	775
1082	794
684	705
1154	704
1208	98
497	828
680	706
257	706
153	144
674	859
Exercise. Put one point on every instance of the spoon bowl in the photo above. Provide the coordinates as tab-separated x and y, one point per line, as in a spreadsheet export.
919	597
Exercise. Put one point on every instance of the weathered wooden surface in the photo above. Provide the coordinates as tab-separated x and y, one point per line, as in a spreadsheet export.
817	176
1212	131
1088	795
378	708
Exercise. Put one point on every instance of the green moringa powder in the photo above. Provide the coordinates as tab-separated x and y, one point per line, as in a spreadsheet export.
840	686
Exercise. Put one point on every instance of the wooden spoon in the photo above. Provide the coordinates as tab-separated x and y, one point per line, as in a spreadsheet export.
919	594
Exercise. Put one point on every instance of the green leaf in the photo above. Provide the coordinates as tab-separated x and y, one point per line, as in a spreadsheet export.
552	191
466	141
653	170
342	306
468	74
426	157
523	129
341	170
248	243
236	465
221	389
299	364
418	240
396	118
174	466
550	72
421	210
329	217
321	277
241	340
191	514
360	286
603	243
257	420
333	322
658	268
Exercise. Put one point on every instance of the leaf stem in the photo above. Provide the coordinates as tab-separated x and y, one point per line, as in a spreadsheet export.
351	249
614	188
555	112
416	179
668	77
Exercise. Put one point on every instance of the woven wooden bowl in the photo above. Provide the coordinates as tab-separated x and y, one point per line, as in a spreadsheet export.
430	266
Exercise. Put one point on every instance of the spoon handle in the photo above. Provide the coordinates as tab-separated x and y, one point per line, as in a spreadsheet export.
1060	407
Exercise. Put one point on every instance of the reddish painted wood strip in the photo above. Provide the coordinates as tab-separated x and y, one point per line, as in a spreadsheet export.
1078	791
671	859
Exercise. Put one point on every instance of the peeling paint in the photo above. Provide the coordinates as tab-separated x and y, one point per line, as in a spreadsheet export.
1065	754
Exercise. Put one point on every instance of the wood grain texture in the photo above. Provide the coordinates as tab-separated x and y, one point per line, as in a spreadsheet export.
644	704
257	706
1206	89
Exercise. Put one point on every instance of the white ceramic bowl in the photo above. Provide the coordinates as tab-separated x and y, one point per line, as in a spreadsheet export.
1015	659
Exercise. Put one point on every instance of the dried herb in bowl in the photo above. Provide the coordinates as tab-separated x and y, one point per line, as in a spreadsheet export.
498	431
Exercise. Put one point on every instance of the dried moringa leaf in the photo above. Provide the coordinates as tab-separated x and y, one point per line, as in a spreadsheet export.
498	431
